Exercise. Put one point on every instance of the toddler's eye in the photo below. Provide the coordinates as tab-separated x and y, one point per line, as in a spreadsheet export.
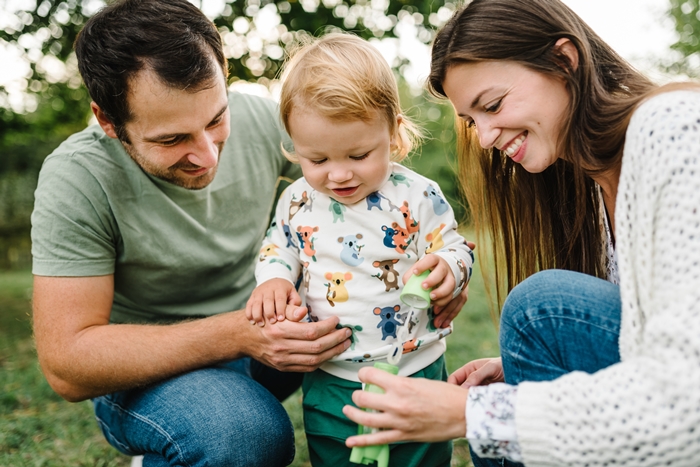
359	158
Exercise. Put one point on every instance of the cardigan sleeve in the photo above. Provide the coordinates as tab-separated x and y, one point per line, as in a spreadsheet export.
644	410
490	419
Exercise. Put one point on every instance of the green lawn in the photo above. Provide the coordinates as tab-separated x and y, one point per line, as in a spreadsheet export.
38	428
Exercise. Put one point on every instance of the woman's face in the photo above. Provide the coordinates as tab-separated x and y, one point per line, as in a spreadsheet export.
513	108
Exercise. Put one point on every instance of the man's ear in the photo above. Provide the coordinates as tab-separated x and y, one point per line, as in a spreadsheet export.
565	47
103	121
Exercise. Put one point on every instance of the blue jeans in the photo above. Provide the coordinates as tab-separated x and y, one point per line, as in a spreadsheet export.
553	323
217	416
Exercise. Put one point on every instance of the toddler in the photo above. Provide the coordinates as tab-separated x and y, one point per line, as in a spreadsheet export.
352	230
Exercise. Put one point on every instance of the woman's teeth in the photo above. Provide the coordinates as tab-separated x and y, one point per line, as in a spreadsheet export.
510	150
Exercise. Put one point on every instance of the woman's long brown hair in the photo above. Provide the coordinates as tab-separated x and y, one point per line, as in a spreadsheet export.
550	219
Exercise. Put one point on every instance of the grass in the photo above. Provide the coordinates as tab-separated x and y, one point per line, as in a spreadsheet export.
38	428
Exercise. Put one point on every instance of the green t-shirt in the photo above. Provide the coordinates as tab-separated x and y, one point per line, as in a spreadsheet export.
174	252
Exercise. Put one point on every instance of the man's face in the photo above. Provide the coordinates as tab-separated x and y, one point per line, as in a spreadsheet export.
177	135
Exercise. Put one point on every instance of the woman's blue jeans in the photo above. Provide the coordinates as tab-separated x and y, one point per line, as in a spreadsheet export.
225	415
553	323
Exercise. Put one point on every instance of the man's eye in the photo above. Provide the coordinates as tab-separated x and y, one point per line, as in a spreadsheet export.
169	142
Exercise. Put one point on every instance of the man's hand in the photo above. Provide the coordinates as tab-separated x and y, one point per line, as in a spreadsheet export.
297	346
83	356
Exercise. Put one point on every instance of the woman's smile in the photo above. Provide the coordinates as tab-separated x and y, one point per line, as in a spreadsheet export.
512	107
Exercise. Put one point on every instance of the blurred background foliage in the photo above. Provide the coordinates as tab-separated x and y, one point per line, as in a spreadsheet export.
686	17
54	103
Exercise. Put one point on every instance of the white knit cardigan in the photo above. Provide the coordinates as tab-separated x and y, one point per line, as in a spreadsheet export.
644	411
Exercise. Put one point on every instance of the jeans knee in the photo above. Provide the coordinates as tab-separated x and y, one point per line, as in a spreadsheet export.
540	290
264	437
535	294
233	422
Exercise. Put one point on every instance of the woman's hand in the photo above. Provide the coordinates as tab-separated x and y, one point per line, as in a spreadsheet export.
411	409
478	373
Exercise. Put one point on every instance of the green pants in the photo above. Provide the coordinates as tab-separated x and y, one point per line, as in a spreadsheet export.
327	428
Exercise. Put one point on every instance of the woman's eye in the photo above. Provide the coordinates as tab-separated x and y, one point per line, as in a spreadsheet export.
495	106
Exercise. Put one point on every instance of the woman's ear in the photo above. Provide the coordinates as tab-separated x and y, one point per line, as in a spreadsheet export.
565	47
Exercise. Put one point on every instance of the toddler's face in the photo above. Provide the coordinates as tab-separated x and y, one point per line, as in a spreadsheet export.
347	160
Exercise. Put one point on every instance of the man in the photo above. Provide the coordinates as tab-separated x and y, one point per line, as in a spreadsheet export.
145	233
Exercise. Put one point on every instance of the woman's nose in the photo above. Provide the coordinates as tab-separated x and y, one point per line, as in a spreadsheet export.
487	133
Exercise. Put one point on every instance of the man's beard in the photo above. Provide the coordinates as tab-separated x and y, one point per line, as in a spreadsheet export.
170	174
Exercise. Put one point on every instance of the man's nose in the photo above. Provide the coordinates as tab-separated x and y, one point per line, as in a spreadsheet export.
205	152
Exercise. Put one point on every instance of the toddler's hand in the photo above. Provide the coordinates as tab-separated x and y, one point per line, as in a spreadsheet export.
440	279
295	312
269	300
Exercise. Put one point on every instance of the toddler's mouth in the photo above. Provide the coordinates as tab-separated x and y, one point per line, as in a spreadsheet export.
349	191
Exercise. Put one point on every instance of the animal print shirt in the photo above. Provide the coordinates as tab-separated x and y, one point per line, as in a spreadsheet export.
349	261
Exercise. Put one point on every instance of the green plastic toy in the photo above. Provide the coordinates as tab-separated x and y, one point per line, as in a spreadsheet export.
379	453
413	293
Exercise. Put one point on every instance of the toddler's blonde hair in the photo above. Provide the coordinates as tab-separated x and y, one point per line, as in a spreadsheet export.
345	78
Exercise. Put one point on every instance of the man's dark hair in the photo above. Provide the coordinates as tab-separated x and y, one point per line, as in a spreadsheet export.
171	37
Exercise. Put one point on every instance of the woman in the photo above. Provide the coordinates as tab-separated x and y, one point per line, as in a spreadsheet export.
573	162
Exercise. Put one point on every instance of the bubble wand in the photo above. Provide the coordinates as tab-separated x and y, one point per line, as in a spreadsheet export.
415	297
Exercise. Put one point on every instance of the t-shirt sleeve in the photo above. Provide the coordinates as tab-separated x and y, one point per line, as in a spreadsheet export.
73	233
